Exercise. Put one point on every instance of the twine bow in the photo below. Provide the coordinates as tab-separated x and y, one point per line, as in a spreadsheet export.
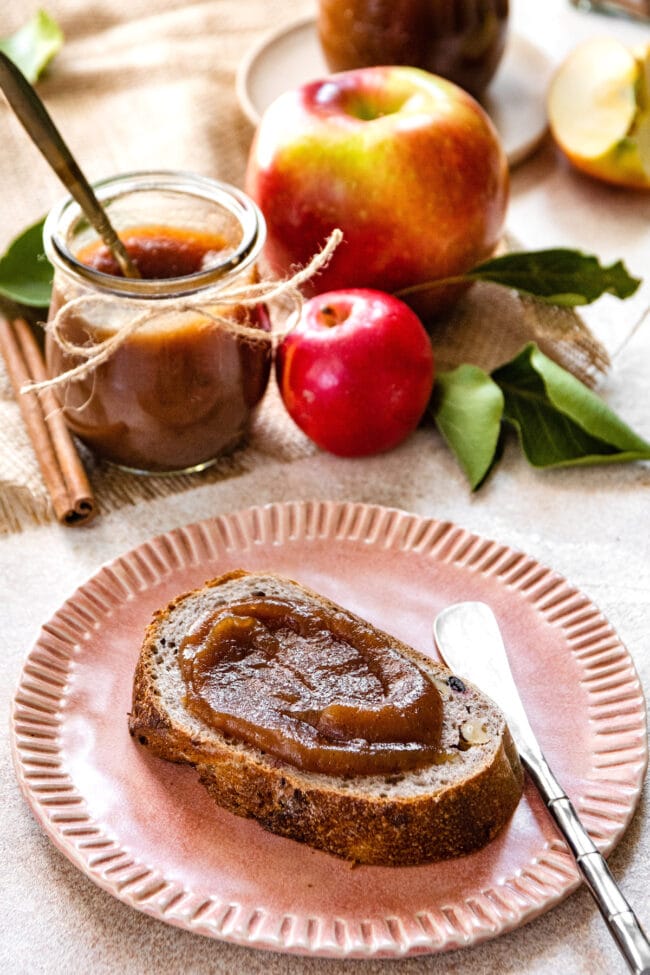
247	296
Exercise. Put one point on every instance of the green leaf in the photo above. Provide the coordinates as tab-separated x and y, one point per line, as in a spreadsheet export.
34	45
559	420
467	407
25	272
558	276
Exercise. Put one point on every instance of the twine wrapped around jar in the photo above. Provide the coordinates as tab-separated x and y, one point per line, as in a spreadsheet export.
248	295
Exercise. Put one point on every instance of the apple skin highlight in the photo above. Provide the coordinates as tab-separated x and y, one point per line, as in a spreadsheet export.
406	164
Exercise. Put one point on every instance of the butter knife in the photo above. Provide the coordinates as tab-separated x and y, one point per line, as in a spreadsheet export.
459	630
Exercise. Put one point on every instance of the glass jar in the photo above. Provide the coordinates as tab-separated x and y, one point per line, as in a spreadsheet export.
189	364
461	40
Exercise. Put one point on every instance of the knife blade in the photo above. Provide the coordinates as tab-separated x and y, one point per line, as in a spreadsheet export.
469	641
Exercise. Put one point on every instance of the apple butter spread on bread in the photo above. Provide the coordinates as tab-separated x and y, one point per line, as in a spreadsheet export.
303	716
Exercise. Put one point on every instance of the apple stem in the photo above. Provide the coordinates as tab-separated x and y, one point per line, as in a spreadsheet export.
328	316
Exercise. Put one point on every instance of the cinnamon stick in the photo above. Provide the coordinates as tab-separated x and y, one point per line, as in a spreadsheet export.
61	467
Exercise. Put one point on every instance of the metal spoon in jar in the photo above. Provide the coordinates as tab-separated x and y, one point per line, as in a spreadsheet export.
38	124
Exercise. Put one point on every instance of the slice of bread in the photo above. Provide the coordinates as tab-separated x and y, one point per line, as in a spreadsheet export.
445	809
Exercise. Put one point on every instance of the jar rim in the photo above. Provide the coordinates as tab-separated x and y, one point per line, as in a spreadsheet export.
67	213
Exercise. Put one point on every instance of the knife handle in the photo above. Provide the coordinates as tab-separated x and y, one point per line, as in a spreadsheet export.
620	918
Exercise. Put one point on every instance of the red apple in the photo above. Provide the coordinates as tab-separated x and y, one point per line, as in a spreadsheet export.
406	164
356	373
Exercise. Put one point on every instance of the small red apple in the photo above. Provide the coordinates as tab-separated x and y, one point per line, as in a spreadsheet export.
357	371
406	164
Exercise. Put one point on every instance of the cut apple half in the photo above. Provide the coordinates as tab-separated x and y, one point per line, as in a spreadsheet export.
599	111
642	124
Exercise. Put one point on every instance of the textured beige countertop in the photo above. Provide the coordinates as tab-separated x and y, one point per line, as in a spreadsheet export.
591	525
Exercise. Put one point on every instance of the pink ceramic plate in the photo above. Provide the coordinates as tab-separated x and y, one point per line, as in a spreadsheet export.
146	831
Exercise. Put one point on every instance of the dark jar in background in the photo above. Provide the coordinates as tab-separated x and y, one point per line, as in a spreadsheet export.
461	40
179	391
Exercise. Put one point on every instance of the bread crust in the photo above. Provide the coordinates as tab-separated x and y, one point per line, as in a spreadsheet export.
372	820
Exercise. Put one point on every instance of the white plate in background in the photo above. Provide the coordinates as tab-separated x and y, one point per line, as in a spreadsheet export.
515	100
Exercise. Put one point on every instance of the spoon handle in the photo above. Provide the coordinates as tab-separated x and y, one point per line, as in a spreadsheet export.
38	124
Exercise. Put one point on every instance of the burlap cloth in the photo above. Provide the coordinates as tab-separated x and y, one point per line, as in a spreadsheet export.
138	89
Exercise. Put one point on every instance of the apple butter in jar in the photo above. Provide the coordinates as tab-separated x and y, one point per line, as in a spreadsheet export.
461	40
176	365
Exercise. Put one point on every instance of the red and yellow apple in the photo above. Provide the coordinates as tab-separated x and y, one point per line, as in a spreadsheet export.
599	111
406	164
357	371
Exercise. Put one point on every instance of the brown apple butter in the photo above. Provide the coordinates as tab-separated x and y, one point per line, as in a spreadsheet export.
322	691
175	361
158	251
180	391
